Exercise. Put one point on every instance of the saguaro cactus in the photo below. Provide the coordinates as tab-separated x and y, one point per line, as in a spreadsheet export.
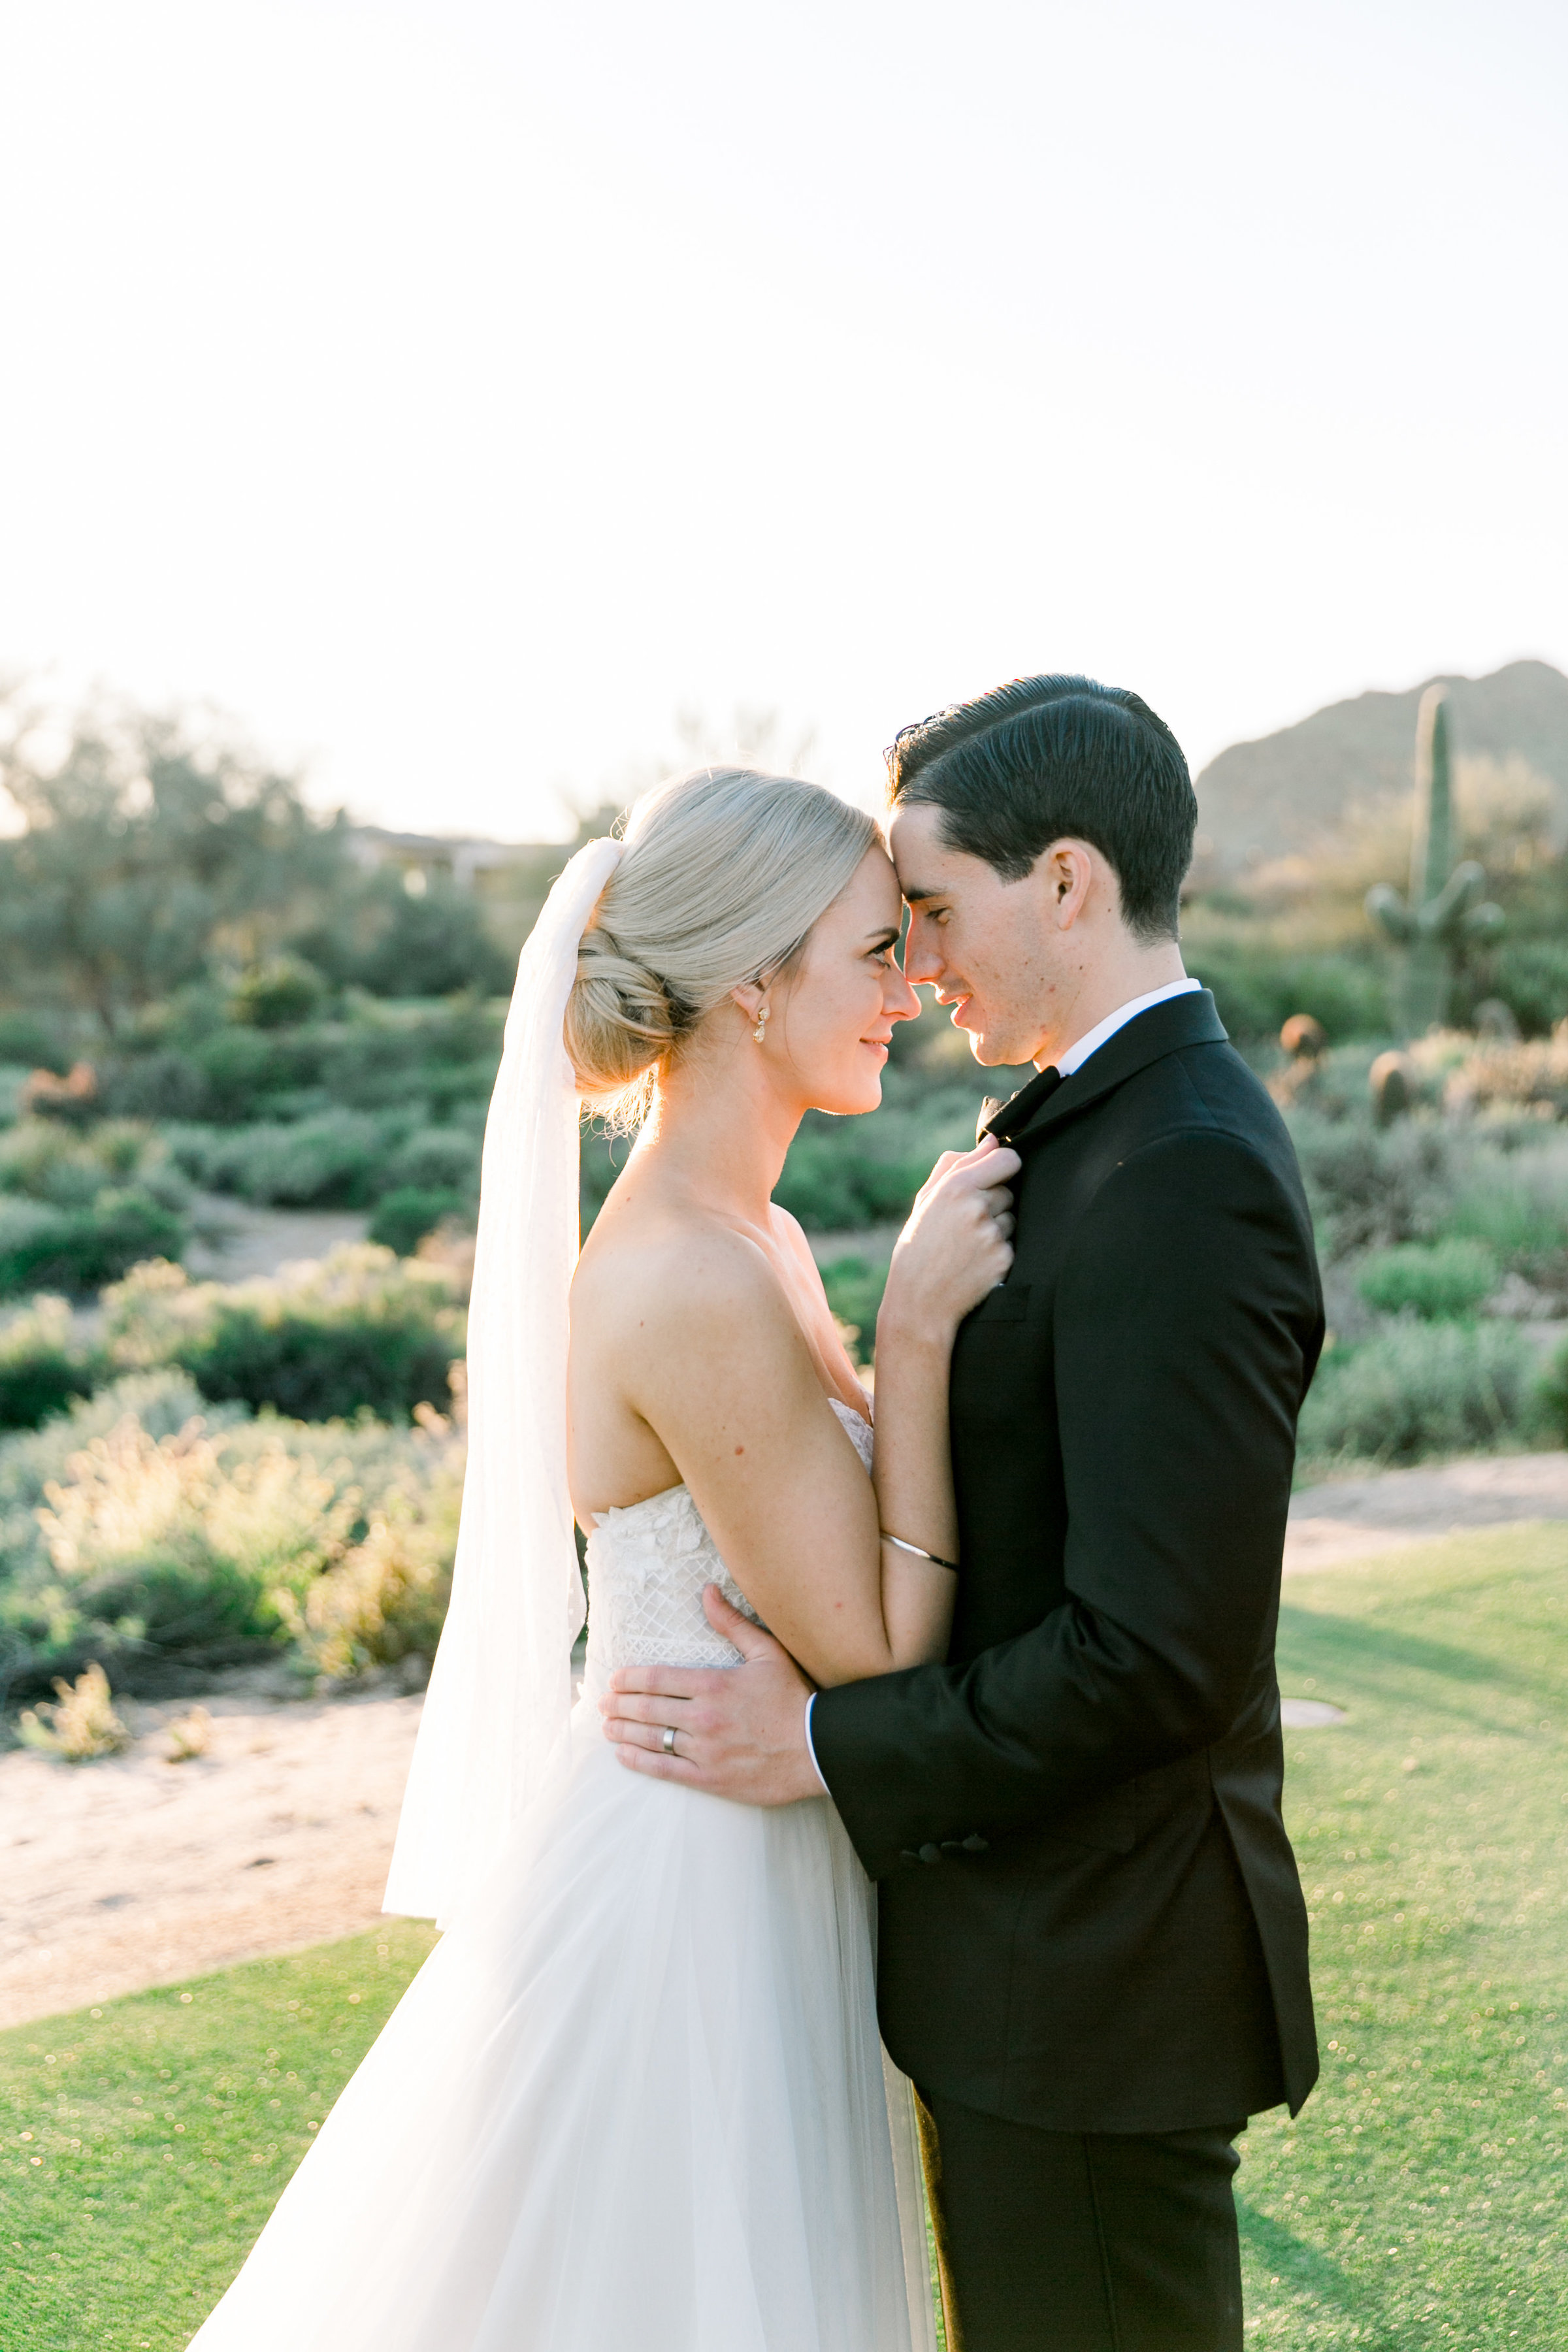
1441	911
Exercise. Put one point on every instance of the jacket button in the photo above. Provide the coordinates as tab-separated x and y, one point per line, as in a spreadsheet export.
975	1844
908	1854
931	1854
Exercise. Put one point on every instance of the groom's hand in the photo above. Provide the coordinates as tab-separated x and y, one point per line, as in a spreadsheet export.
740	1731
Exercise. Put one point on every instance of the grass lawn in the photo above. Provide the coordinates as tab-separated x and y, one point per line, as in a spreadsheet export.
1420	2198
145	2143
1418	2201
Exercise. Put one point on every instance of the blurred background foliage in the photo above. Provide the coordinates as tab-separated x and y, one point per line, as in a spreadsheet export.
218	1004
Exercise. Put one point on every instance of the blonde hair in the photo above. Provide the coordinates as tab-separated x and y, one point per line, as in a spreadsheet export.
724	873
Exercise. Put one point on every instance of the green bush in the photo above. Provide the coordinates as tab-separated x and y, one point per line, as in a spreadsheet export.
1420	1389
1516	1203
1371	1188
360	1332
1444	1282
164	1536
41	1368
241	1069
45	1160
35	1042
1256	989
78	1250
436	1159
855	1287
1531	978
845	1172
330	1162
403	1218
1554	1398
278	994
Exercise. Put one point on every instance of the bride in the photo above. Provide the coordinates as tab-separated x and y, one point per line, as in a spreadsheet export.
636	2096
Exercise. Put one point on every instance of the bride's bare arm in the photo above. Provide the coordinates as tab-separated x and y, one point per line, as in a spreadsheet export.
936	1276
720	1371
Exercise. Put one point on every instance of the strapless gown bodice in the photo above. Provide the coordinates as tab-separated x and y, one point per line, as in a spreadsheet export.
647	1564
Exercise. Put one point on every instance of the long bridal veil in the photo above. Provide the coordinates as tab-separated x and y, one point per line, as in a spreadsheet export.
494	1725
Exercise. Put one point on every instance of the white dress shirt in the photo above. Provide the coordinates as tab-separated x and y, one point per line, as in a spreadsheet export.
1073	1059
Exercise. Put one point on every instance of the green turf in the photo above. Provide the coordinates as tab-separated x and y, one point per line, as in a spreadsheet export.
146	2143
1418	2201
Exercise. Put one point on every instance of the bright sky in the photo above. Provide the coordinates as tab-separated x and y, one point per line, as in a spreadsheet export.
452	390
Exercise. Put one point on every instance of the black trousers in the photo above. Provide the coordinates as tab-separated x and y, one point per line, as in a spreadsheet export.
1082	2242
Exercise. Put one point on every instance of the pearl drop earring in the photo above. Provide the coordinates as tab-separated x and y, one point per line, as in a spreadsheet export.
760	1032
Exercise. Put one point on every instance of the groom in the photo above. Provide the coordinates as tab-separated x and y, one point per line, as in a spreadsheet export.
1094	1943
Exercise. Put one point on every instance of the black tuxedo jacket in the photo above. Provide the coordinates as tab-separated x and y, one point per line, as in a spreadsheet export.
1091	1915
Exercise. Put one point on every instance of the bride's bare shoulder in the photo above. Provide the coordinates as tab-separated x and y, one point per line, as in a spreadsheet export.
673	1279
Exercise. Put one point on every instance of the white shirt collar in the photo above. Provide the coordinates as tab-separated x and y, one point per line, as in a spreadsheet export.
1077	1055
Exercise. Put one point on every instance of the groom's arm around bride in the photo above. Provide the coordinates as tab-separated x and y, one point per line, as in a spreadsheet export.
1093	1955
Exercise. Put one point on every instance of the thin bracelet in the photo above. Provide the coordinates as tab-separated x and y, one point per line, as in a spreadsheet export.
918	1551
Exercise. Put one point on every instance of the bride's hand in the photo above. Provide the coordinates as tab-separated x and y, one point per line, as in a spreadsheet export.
955	1247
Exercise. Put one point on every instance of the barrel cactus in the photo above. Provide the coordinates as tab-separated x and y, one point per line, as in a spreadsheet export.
1442	912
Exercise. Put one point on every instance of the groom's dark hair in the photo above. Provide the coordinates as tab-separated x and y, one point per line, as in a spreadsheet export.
1042	758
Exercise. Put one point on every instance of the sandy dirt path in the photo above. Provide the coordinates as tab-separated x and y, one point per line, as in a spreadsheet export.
1353	1518
135	1871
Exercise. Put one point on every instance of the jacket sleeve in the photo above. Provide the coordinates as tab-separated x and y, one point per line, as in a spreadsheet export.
1186	1324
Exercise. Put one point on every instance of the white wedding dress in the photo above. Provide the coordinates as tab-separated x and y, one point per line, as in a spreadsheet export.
635	2100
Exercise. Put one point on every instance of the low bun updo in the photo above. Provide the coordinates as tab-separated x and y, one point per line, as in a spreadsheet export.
724	874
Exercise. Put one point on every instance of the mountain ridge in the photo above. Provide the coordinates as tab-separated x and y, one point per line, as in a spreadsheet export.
1278	795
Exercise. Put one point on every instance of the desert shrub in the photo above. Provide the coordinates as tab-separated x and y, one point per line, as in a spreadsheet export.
76	1250
328	1161
1441	1282
240	1068
1418	1389
164	1085
1530	1076
331	1160
163	1537
311	1366
35	1042
1371	1188
855	1287
41	1366
161	1548
865	1172
79	1724
1258	987
403	1218
385	1599
387	1057
436	1159
44	1160
361	1331
1516	1203
1554	1398
1531	978
278	994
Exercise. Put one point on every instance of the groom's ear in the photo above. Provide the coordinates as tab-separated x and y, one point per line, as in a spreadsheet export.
1068	872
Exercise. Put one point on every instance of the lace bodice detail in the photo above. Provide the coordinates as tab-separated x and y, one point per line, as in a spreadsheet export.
646	1567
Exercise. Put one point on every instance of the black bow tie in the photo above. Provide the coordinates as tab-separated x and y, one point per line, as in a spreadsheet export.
1005	1120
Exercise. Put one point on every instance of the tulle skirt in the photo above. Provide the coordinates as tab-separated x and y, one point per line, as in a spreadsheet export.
636	2097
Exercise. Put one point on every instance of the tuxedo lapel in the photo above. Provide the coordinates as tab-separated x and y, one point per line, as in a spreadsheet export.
1167	1028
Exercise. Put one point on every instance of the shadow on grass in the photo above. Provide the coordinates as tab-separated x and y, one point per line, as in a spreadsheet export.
1361	1658
1276	2249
